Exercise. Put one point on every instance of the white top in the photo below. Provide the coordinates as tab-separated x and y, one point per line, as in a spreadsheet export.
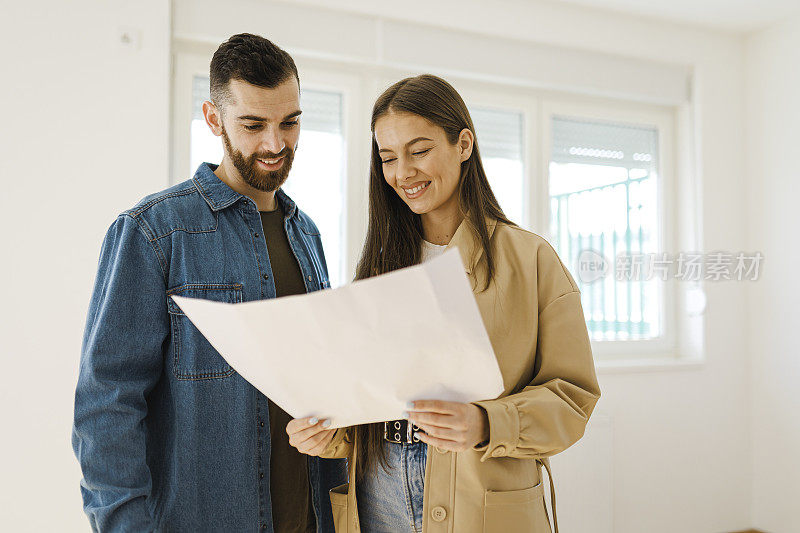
430	250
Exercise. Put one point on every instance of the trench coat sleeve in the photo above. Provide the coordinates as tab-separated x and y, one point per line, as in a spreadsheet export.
340	446
550	413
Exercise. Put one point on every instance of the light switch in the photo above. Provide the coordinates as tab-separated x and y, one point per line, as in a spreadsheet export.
129	38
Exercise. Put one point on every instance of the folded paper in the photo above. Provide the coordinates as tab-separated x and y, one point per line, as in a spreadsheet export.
359	353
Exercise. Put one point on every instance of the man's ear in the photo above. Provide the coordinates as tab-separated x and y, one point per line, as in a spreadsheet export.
213	116
466	141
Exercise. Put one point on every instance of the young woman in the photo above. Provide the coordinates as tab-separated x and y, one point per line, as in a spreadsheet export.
476	466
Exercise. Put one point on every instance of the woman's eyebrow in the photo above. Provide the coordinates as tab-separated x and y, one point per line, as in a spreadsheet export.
409	143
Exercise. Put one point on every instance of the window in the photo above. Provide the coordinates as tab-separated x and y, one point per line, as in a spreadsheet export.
205	146
594	176
316	180
500	141
604	201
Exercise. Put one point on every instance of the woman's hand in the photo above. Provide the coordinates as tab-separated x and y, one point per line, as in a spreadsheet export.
449	425
309	435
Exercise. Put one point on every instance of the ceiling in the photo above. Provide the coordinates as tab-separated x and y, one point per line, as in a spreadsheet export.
742	16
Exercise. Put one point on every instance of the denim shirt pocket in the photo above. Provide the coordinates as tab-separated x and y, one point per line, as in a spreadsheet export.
193	357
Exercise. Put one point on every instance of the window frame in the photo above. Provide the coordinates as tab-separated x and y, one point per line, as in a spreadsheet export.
360	84
635	114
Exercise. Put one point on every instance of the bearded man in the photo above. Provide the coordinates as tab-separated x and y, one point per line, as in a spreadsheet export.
169	437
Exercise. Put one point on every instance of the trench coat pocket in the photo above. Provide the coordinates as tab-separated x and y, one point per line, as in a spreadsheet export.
339	507
516	511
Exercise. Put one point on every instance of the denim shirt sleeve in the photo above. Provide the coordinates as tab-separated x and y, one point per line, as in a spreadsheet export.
121	361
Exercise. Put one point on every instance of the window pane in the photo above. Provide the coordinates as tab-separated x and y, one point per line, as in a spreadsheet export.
499	135
317	176
603	197
205	147
316	179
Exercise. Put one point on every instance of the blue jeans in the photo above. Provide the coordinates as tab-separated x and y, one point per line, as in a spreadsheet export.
391	502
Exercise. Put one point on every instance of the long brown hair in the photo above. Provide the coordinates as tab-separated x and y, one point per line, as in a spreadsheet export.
394	235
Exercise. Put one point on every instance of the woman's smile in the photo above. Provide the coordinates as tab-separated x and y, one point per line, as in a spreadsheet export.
417	190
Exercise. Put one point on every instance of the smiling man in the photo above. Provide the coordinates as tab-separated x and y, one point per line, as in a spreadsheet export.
169	437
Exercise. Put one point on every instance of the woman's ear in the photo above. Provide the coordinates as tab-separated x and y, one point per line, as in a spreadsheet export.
465	142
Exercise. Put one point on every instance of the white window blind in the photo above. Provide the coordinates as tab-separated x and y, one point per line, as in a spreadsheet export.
600	143
499	133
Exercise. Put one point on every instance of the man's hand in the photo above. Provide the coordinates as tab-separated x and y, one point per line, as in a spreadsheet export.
449	425
309	435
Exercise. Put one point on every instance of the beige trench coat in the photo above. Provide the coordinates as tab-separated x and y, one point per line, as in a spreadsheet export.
533	315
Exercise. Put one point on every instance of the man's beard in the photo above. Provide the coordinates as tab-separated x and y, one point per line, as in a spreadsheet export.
263	180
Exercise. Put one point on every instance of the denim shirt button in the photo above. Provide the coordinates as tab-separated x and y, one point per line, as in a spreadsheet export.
266	276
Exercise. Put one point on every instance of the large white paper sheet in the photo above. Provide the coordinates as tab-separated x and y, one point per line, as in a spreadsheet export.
359	353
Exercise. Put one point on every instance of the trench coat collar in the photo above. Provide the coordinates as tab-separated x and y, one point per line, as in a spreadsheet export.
468	244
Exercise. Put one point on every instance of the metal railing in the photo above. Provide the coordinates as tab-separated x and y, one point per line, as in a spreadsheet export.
604	320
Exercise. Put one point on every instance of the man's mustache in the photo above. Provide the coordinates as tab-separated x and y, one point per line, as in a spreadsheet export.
270	155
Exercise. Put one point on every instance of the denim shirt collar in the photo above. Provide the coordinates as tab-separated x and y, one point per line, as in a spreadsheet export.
218	195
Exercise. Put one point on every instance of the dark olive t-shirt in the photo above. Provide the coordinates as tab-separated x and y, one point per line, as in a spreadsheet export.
292	511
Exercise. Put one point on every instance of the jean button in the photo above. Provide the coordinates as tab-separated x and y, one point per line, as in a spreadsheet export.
266	276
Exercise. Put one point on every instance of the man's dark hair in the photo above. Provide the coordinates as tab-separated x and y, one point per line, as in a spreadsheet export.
250	58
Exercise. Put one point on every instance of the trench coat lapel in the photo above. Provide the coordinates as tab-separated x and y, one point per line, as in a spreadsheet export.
468	244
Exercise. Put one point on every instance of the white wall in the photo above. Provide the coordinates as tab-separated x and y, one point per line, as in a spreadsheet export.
773	136
84	135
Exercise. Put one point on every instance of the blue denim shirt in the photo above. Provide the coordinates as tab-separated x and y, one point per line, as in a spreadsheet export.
169	437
